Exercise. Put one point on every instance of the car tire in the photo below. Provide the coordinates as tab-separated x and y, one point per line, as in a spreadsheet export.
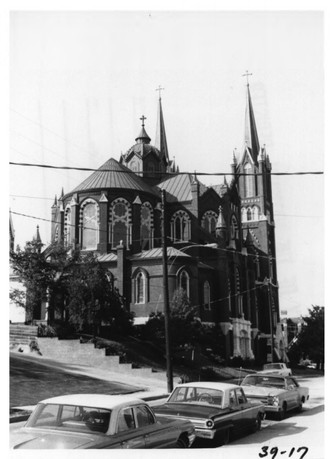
181	442
224	437
282	413
257	424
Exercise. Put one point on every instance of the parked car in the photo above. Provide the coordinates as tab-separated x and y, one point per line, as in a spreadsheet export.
217	410
277	369
279	394
99	421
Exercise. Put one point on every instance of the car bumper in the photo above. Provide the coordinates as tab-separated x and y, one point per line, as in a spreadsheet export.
205	433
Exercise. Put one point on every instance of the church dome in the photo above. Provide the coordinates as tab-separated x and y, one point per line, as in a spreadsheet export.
115	176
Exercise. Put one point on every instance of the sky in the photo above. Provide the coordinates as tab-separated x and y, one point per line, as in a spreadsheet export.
80	81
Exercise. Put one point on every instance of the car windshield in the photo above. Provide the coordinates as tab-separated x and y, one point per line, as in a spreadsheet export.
197	395
77	418
263	381
272	366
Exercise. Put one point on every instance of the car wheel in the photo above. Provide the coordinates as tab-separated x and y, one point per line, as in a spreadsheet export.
257	423
224	437
282	413
181	443
299	408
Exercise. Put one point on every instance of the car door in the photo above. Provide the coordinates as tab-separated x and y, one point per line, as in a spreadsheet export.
247	415
156	435
127	432
293	394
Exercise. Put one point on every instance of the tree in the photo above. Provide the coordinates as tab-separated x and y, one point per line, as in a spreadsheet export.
75	284
310	340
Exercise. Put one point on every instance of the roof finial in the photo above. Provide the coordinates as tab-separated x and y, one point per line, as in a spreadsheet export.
159	89
247	74
142	119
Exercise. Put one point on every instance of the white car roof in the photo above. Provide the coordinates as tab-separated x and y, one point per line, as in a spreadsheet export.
210	385
94	400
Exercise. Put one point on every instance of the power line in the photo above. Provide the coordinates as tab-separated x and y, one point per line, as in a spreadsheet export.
90	169
173	240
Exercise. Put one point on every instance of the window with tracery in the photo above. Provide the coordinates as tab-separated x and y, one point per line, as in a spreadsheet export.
146	226
180	226
120	226
89	223
248	181
207	295
184	281
67	226
209	221
248	214
234	228
255	213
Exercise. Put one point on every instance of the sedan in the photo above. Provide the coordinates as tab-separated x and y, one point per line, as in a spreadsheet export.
217	410
91	421
277	369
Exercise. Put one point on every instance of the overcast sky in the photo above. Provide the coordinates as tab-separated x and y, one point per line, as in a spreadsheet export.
80	81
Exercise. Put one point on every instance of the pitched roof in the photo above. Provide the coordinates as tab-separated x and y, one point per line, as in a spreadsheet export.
157	253
178	188
114	175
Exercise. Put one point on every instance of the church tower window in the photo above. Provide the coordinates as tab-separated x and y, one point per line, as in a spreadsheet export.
248	214
140	288
239	299
120	223
146	226
180	227
248	181
89	225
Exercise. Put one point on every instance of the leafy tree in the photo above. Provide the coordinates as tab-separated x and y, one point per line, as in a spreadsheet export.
76	285
311	338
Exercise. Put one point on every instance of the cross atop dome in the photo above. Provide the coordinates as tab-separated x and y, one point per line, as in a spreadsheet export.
142	119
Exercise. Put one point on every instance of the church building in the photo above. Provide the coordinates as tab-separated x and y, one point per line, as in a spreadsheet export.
220	239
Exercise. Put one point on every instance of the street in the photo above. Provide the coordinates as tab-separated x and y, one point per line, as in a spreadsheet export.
298	436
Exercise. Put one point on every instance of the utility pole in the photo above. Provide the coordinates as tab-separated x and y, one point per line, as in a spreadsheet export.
267	282
169	371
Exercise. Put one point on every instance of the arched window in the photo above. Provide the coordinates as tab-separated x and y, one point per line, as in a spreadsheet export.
207	295
184	281
120	223
146	226
140	288
248	214
67	226
209	221
89	225
56	236
135	165
243	214
180	226
248	181
255	213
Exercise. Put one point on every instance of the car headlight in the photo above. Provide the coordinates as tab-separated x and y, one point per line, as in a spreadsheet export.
273	400
209	424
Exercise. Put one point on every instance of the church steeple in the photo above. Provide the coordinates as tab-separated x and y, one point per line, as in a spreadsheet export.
250	134
160	140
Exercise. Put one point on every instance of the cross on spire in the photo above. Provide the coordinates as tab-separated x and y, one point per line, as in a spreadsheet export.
142	119
247	74
159	89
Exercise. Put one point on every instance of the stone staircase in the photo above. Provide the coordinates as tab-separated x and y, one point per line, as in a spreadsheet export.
86	354
22	335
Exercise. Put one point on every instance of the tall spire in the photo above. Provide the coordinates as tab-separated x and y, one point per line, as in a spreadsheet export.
251	134
160	140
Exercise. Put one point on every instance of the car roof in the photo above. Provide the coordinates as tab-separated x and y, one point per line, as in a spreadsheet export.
94	400
268	375
210	385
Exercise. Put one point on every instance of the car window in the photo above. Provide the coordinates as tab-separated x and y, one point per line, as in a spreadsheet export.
44	416
232	398
240	396
197	395
125	420
143	416
292	382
